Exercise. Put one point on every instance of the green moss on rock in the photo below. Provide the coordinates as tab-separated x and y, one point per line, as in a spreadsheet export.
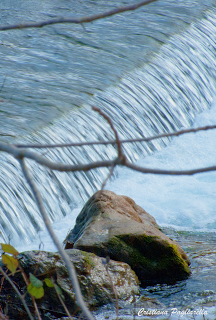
153	260
88	260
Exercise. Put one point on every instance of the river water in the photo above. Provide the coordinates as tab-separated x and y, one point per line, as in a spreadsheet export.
184	207
151	71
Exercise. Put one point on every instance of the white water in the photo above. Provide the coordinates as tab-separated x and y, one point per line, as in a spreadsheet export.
182	202
160	94
185	202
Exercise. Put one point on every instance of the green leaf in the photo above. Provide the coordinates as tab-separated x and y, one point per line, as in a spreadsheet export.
35	281
9	249
34	291
11	262
49	283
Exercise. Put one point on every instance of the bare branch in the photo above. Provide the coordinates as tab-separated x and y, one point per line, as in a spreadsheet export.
62	302
79	167
168	172
77	20
17	291
67	168
113	287
7	135
108	177
144	139
32	297
3	83
120	152
36	308
65	257
21	153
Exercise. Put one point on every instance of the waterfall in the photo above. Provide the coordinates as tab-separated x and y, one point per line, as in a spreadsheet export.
162	94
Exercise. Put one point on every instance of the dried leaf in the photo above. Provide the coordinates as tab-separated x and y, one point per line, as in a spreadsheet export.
9	249
10	262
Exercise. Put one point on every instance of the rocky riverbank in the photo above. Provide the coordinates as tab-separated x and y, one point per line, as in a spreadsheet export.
191	299
117	248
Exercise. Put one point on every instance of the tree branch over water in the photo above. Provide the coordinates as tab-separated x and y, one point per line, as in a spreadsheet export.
90	143
121	159
118	143
21	152
77	20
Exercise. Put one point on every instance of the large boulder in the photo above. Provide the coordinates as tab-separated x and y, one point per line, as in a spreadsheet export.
93	278
115	226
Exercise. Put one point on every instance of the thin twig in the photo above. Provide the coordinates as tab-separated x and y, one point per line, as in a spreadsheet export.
32	297
36	307
113	287
21	153
7	135
17	291
3	84
76	20
120	152
134	308
62	302
168	172
65	257
143	139
16	152
108	177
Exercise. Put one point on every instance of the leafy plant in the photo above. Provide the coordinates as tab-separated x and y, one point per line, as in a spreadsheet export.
11	260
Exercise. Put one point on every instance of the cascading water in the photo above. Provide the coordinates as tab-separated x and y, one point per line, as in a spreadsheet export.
161	94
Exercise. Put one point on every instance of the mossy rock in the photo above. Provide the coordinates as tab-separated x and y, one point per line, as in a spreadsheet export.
92	275
152	260
115	226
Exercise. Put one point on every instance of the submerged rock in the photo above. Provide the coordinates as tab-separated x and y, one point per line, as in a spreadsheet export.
115	226
92	275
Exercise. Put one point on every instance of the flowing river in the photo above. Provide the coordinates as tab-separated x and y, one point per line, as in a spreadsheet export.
152	71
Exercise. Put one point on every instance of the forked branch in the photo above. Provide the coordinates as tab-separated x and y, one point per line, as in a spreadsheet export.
21	153
120	152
